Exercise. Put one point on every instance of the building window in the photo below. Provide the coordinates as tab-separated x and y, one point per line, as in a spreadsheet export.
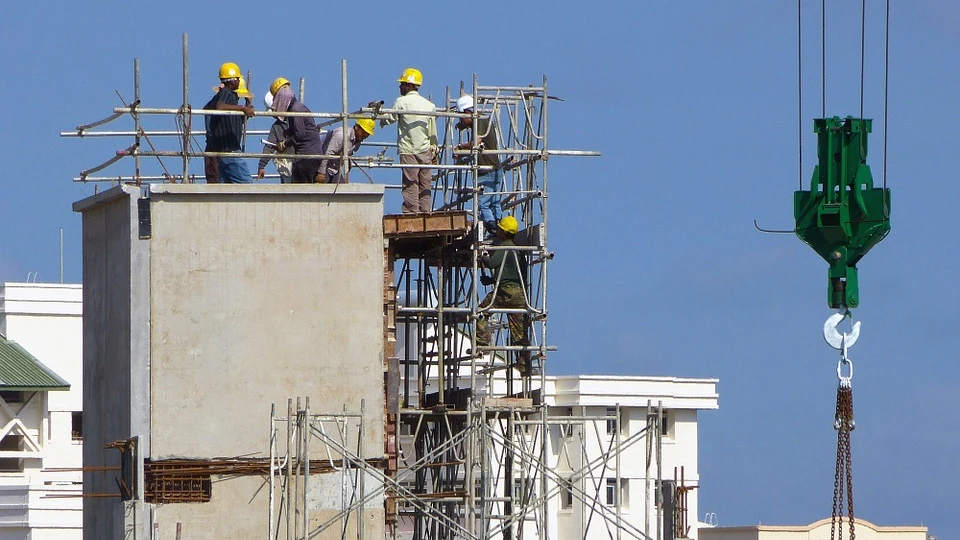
665	424
76	429
566	493
611	422
11	443
566	430
617	497
523	490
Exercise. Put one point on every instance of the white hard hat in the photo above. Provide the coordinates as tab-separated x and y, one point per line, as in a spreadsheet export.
464	103
268	100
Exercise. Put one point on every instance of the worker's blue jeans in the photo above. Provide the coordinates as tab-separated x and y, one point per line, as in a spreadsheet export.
233	170
489	201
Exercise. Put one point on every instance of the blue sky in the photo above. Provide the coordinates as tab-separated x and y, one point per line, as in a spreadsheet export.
658	269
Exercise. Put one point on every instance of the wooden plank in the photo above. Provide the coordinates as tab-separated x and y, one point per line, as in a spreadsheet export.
508	402
433	224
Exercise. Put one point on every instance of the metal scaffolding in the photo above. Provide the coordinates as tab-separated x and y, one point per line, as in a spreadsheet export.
509	498
472	449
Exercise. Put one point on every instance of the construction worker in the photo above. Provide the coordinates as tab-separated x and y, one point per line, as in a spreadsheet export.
277	84
508	267
243	92
284	165
416	141
301	135
225	132
488	201
333	145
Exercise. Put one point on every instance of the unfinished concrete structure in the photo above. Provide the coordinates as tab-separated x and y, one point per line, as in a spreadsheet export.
203	306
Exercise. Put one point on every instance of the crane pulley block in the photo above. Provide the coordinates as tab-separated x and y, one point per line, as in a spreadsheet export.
842	216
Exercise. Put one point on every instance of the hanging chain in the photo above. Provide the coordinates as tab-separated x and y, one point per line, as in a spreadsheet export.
843	423
843	478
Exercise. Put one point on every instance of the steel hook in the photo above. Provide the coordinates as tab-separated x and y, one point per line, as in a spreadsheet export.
840	340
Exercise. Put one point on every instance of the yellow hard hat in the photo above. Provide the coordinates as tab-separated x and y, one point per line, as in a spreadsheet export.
509	225
367	125
229	70
412	76
278	83
242	89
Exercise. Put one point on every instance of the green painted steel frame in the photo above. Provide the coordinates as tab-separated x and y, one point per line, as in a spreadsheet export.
842	216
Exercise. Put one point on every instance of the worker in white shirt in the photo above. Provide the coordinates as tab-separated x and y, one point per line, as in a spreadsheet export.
416	141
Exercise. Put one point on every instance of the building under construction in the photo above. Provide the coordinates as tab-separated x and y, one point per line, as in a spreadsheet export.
287	362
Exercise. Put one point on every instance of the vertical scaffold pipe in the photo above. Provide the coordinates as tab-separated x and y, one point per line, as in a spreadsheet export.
186	113
136	119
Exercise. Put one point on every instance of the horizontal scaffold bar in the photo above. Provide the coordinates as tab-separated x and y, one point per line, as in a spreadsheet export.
365	113
524	89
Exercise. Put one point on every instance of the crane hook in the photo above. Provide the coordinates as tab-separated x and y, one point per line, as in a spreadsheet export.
840	340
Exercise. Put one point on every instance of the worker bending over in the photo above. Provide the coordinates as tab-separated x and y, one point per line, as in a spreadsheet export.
416	141
333	145
301	134
284	165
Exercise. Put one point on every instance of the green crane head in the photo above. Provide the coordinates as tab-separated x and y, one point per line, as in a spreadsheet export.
842	216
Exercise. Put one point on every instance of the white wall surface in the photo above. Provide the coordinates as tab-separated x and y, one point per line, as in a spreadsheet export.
865	530
589	440
46	320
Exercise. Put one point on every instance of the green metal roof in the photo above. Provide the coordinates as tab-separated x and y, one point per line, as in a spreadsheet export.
20	370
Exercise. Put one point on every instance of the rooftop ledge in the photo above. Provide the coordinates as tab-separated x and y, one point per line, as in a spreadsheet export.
632	391
253	189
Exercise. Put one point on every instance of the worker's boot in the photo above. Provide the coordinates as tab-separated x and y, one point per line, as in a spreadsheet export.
490	229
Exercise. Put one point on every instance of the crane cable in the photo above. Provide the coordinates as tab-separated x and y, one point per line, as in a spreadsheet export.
823	76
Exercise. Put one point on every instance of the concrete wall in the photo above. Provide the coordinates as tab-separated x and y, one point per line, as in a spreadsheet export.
257	297
250	295
115	357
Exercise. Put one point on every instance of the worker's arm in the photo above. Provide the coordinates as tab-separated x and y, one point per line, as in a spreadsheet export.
432	130
493	261
388	118
247	109
298	125
276	132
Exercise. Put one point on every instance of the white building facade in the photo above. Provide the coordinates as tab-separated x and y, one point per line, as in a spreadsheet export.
620	456
41	422
814	531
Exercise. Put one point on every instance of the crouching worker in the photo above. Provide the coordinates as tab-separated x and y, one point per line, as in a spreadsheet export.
333	144
508	266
